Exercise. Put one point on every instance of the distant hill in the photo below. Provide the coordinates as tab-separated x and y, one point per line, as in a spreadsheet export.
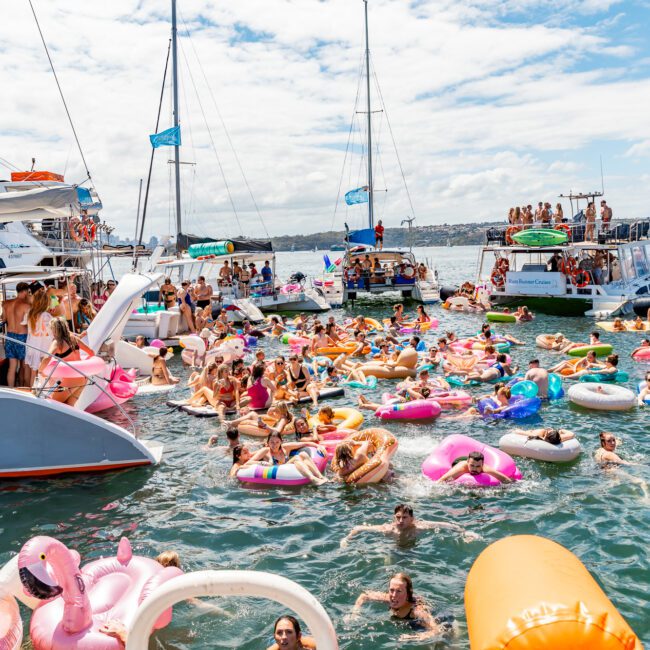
466	234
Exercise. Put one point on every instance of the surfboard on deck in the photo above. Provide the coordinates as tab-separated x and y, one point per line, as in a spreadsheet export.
540	237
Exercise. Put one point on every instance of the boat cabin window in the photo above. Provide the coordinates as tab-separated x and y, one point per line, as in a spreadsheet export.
640	261
627	260
534	268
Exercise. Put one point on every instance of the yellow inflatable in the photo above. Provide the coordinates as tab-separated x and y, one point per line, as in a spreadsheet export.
335	351
526	593
405	366
344	418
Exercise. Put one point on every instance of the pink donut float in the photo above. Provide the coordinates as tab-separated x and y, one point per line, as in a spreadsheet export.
642	355
458	446
157	343
122	387
419	409
452	399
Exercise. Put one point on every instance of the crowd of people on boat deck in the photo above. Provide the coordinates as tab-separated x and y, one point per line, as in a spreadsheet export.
369	270
42	314
544	215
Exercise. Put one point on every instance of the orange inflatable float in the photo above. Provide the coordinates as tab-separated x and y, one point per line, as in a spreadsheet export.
526	592
383	444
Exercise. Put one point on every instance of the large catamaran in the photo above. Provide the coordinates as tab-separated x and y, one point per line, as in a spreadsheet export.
395	271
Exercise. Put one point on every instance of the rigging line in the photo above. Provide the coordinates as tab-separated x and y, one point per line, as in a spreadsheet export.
223	124
347	146
189	210
65	105
390	129
214	147
160	103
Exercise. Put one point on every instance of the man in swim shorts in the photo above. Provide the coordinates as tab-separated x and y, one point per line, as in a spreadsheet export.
474	465
538	376
15	315
406	527
202	293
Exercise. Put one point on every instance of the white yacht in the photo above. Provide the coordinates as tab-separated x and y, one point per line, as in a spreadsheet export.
599	278
45	221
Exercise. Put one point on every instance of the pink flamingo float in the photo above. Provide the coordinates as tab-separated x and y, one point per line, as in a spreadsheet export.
79	601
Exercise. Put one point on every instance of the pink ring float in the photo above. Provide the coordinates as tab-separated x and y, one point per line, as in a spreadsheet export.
457	446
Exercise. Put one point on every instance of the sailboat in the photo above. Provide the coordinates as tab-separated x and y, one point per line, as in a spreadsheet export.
195	257
394	270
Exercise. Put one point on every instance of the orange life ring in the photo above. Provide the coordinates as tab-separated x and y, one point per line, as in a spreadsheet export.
503	265
497	278
564	227
511	230
75	231
568	266
581	278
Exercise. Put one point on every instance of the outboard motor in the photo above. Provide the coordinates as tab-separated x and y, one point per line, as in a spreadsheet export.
297	278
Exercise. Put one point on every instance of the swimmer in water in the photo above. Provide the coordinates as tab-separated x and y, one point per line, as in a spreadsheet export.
405	526
607	455
474	465
406	606
548	434
288	636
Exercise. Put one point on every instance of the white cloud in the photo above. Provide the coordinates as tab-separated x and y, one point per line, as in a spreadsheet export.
486	113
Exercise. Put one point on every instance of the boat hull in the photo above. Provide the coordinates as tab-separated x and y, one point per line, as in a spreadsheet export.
44	438
551	305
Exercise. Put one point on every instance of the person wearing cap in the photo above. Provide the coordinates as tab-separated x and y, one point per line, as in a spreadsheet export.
14	313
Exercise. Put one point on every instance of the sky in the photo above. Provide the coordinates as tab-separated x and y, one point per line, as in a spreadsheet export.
490	103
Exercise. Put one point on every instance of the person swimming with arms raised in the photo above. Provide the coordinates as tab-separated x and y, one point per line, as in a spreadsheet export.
406	527
406	606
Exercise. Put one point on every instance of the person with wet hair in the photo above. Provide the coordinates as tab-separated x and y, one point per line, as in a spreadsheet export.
288	635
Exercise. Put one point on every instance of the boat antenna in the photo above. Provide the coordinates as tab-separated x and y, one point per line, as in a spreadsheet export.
153	150
176	147
409	221
370	188
58	85
602	177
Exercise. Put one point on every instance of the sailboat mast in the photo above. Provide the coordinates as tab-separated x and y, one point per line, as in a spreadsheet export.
371	216
176	147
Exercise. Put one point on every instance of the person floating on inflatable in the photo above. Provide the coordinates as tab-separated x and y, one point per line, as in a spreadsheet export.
474	465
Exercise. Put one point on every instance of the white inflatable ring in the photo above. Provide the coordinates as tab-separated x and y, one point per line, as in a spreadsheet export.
602	397
518	445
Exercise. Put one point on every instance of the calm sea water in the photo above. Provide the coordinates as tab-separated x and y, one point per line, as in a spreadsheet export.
188	504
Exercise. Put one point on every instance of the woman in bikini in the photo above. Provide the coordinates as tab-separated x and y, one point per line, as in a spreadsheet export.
167	294
160	375
279	376
66	346
320	340
224	396
277	452
299	380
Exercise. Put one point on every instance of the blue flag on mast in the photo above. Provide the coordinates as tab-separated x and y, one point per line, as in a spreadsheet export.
169	137
360	195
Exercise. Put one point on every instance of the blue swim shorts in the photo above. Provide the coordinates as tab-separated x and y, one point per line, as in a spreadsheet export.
14	350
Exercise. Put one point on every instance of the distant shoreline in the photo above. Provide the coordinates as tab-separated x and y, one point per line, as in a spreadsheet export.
464	234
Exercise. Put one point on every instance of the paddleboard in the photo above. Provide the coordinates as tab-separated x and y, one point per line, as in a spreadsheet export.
608	326
540	237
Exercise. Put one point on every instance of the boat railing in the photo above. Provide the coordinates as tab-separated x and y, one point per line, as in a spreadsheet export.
615	231
43	390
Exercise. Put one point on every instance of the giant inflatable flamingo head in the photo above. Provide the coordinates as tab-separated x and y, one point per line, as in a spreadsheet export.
41	562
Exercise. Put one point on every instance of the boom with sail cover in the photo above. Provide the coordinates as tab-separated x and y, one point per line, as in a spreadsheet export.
39	203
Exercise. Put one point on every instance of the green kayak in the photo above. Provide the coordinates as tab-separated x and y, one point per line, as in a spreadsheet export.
540	237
